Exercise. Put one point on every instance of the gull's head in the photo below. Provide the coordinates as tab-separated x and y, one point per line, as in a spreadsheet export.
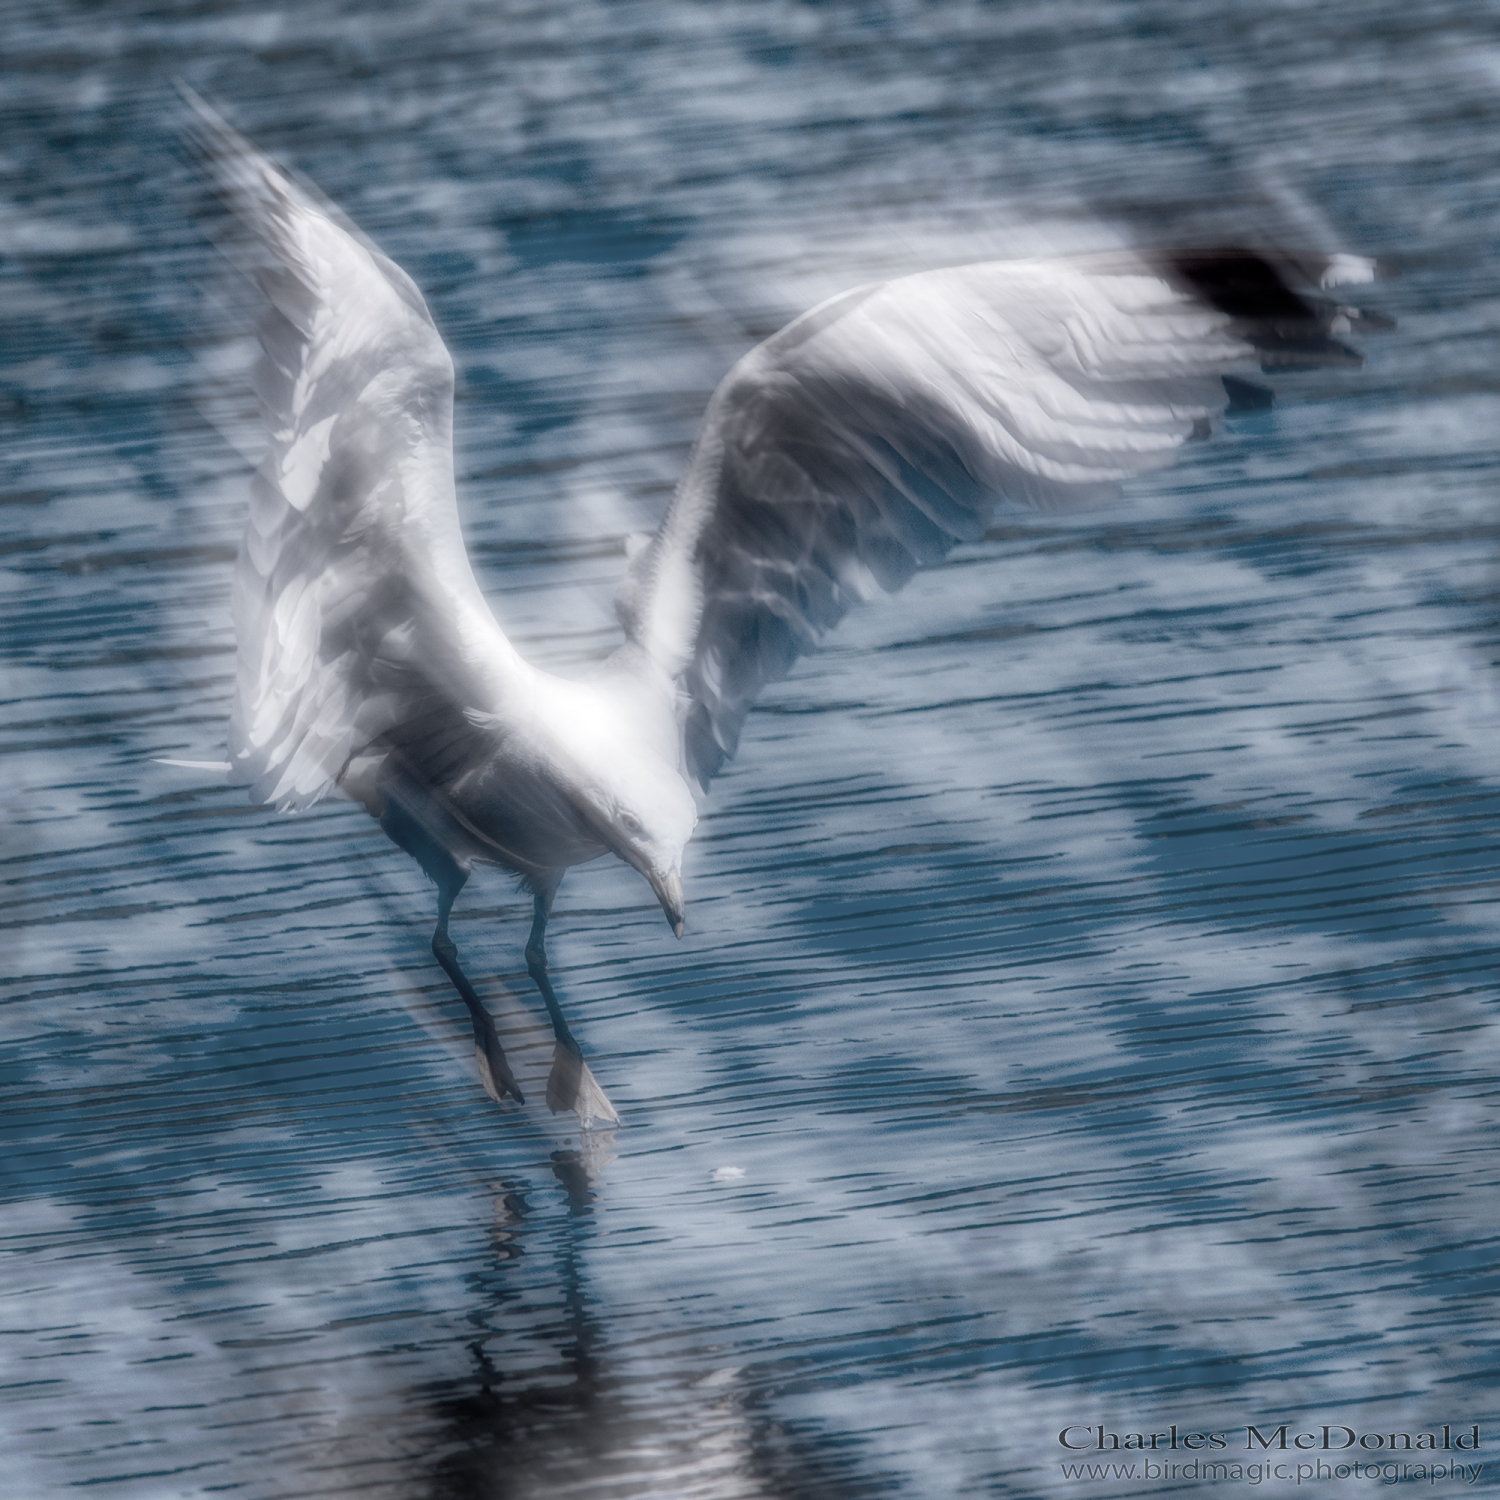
644	811
608	754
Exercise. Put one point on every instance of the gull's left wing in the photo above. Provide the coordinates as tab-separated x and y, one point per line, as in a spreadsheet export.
360	628
879	430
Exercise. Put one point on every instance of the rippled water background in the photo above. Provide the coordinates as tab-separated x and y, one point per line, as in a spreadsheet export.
1092	955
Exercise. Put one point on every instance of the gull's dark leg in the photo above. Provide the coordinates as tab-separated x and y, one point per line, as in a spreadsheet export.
414	820
570	1085
536	965
494	1071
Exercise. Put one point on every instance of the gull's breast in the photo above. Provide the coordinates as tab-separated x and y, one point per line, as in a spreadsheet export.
521	819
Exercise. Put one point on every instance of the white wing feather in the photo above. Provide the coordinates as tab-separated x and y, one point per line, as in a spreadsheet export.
880	429
359	623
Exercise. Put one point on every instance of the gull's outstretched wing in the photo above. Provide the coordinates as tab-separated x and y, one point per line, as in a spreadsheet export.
359	624
875	432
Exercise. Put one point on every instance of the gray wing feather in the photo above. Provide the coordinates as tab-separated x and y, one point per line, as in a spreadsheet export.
875	433
359	625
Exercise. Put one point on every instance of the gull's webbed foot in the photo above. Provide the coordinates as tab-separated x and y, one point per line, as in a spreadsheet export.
572	1086
494	1071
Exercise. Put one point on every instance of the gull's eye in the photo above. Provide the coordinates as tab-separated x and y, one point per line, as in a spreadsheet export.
631	822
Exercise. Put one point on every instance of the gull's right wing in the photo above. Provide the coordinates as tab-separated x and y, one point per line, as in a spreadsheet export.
877	431
360	627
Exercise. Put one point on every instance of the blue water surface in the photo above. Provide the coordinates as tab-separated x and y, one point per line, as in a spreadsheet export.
1087	1009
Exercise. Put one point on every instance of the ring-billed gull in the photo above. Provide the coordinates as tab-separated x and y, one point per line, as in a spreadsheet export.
867	438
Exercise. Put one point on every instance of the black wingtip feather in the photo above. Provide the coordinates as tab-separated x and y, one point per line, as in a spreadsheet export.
1247	395
1238	282
1263	293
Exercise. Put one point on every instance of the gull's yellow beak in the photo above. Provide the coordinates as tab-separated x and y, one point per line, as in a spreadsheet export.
668	890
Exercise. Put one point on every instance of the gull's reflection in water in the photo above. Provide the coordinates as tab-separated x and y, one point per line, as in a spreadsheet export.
556	1399
584	1419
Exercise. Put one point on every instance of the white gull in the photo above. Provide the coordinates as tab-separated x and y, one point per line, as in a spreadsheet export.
866	439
